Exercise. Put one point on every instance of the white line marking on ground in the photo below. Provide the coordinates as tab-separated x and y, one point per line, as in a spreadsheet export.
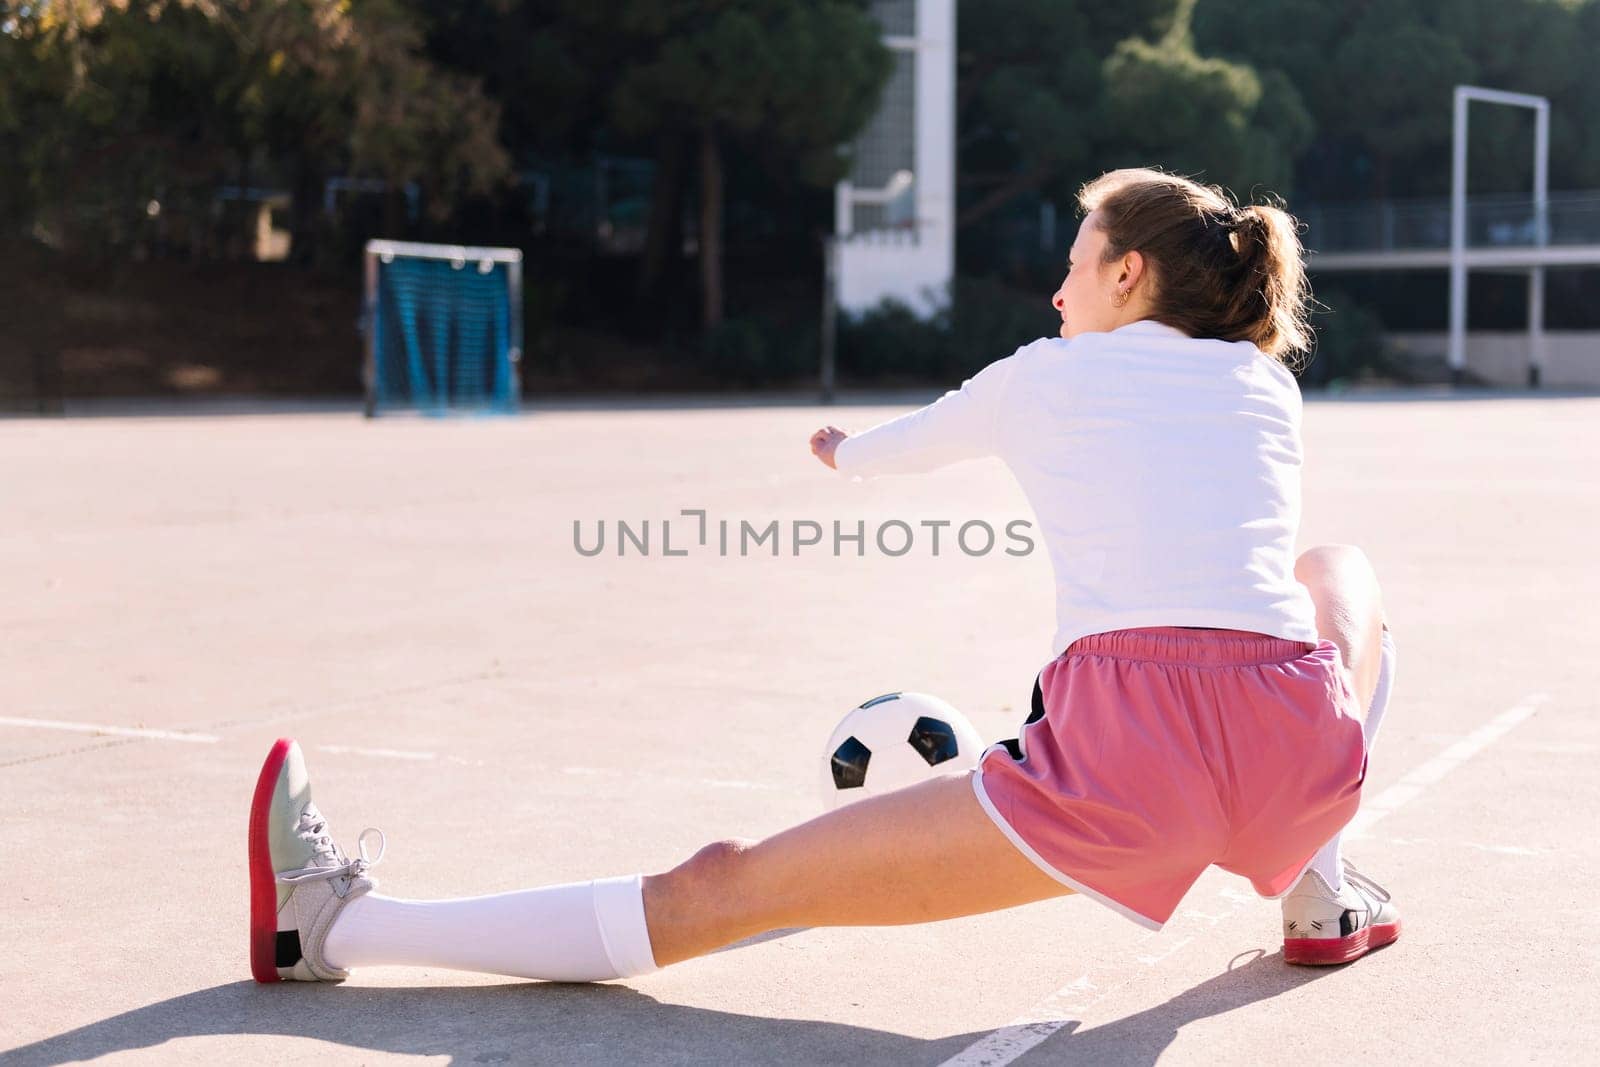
666	779
1430	842
1067	1005
111	731
1429	773
380	753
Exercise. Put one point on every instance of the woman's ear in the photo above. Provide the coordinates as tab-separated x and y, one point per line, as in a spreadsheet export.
1132	270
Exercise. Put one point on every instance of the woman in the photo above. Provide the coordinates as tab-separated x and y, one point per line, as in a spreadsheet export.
1212	699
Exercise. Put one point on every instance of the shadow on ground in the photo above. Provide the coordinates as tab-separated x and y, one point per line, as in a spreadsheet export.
535	1022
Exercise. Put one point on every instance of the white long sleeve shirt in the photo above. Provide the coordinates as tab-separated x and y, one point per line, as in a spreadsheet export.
1163	472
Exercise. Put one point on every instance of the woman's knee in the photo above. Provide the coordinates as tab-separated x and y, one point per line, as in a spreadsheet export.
699	904
719	862
1342	583
1349	606
1326	564
712	871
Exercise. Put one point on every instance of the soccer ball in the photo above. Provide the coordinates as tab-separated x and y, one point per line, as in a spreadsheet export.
893	741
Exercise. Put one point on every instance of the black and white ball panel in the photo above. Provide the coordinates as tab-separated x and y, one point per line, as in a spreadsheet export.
896	740
934	740
849	764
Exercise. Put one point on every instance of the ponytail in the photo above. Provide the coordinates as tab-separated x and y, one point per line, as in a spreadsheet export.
1270	303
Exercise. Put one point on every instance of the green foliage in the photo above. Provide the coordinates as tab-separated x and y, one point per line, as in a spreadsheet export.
20	79
984	321
736	351
1030	93
756	351
788	79
1348	344
342	85
1419	65
1199	115
987	320
546	76
1055	91
1376	80
137	101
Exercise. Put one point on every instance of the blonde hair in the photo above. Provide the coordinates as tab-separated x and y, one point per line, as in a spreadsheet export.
1218	270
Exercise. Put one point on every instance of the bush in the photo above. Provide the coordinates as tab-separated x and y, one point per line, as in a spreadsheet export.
766	351
984	321
1348	346
736	350
987	320
891	341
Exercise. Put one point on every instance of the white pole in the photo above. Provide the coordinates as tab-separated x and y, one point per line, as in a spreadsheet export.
514	352
369	331
1541	174
1535	327
1458	224
1541	237
1458	237
830	315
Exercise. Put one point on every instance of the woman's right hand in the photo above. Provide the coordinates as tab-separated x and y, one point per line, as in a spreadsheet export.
825	442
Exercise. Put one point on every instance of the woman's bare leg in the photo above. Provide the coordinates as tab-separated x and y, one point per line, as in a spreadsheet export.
1327	918
920	854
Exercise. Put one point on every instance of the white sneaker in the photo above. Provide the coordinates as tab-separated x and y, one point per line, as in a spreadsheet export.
299	879
1322	927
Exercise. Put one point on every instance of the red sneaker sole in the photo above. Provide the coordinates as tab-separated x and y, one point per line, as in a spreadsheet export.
1328	951
263	880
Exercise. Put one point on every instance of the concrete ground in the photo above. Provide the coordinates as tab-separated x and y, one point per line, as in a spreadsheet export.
404	596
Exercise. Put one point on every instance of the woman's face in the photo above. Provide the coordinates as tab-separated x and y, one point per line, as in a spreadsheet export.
1086	297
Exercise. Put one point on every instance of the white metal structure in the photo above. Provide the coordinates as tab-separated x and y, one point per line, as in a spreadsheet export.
387	250
894	218
1464	95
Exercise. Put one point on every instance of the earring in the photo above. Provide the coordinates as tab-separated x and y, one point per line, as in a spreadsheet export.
1121	300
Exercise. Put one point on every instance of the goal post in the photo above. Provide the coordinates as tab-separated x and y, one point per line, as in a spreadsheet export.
442	327
1540	106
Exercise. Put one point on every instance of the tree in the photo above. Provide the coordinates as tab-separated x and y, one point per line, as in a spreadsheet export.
25	82
1203	115
790	79
1053	91
113	112
1377	81
337	86
684	81
180	96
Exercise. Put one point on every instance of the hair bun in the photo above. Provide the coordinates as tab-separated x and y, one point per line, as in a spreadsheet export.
1248	216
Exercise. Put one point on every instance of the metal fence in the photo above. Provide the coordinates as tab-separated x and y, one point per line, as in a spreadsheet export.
1492	221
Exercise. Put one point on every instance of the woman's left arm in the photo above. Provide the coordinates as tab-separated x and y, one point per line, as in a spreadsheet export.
959	425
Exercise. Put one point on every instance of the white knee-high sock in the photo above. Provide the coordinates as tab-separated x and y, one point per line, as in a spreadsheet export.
1329	861
580	932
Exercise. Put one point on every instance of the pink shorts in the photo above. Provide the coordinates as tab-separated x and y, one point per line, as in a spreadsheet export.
1151	754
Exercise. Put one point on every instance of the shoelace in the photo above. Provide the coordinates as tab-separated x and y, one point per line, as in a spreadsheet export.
328	860
1361	881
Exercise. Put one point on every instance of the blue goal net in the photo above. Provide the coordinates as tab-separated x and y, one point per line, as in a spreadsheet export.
443	326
